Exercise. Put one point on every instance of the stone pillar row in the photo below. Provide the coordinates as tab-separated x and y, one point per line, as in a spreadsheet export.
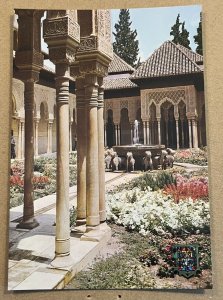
90	151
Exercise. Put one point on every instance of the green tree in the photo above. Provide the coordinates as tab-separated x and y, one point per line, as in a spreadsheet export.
126	45
198	38
175	30
180	34
184	37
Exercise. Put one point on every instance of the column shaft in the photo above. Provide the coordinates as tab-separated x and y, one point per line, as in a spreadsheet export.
20	140
144	132
62	246
49	137
28	209
70	136
177	133
101	165
159	131
81	151
36	137
105	135
148	132
190	136
195	136
91	95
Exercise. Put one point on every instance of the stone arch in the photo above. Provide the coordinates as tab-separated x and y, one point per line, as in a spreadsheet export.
125	127
110	129
43	128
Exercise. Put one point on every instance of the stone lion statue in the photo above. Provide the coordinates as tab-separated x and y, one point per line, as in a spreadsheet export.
147	161
130	162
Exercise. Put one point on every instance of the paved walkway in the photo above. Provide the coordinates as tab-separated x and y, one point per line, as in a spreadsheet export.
31	251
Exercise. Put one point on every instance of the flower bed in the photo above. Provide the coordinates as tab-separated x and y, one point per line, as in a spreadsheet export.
192	156
178	205
44	179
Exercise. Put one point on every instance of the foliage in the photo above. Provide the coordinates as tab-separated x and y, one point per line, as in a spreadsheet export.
154	211
73	216
180	34
192	156
126	46
198	37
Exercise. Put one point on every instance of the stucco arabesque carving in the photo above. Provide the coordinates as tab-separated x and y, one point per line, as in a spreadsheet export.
60	27
94	67
176	96
124	104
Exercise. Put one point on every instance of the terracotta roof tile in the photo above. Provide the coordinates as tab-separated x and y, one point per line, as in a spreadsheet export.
118	83
169	59
118	65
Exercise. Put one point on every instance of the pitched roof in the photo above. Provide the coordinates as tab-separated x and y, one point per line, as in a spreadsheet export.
118	83
118	65
168	60
191	54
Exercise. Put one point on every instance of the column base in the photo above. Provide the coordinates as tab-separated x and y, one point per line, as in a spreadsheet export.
97	234
29	224
80	222
102	215
62	262
79	229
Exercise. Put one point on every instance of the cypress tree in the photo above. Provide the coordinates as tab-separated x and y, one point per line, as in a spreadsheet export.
126	45
180	34
198	38
175	30
184	37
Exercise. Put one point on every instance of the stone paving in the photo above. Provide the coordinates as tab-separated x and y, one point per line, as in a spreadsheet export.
31	251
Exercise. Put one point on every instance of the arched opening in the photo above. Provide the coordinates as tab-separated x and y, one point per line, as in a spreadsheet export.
110	129
125	127
43	123
139	119
153	125
168	125
183	126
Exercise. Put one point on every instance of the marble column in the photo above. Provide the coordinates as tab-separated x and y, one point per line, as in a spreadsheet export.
62	246
36	137
105	134
148	133
177	132
182	132
116	134
119	135
92	181
190	135
195	135
70	136
28	221
132	128
101	164
81	151
50	136
144	133
159	131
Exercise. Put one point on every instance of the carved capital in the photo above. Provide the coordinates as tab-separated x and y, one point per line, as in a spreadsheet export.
62	55
93	67
29	59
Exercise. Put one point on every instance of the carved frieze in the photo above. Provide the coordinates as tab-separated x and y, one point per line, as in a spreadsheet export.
158	96
88	43
93	67
59	28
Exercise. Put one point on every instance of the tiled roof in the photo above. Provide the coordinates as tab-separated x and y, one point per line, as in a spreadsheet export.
191	54
118	65
168	60
118	83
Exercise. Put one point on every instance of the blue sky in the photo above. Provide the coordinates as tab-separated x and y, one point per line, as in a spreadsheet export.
153	25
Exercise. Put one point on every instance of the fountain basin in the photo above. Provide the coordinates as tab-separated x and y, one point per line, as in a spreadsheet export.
138	151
